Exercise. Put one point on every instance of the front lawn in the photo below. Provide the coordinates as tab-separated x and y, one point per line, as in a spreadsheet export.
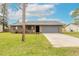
35	44
75	34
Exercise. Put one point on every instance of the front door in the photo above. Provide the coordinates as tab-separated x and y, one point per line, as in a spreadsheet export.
37	28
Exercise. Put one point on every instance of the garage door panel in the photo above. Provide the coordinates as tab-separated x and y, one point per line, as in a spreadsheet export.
49	29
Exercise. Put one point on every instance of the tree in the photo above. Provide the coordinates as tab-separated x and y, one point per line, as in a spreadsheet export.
23	21
23	8
75	12
4	13
75	15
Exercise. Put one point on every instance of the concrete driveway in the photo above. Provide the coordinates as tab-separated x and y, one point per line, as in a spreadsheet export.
62	40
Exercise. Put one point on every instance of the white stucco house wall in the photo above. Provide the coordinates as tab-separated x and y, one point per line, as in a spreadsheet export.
72	28
1	30
1	27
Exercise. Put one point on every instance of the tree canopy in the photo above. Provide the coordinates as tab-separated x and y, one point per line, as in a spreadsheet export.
75	15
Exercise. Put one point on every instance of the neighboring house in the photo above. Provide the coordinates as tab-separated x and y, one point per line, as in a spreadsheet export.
1	29
72	27
38	26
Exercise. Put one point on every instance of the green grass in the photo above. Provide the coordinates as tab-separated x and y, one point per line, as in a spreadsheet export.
75	34
34	45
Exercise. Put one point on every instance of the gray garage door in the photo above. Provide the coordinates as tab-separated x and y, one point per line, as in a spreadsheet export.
49	29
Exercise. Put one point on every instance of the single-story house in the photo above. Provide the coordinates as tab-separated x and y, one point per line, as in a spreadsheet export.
38	26
72	27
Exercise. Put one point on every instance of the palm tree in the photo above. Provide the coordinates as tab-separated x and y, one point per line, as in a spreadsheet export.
75	15
75	12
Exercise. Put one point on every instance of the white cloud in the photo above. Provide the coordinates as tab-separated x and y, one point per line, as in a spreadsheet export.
36	10
20	20
36	7
45	19
54	19
31	9
71	12
12	14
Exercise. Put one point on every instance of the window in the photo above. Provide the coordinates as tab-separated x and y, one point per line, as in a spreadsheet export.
29	27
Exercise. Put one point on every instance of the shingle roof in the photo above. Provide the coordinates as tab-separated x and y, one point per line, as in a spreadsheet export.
41	23
73	24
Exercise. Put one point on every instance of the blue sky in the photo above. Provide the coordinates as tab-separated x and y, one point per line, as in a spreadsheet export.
60	12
